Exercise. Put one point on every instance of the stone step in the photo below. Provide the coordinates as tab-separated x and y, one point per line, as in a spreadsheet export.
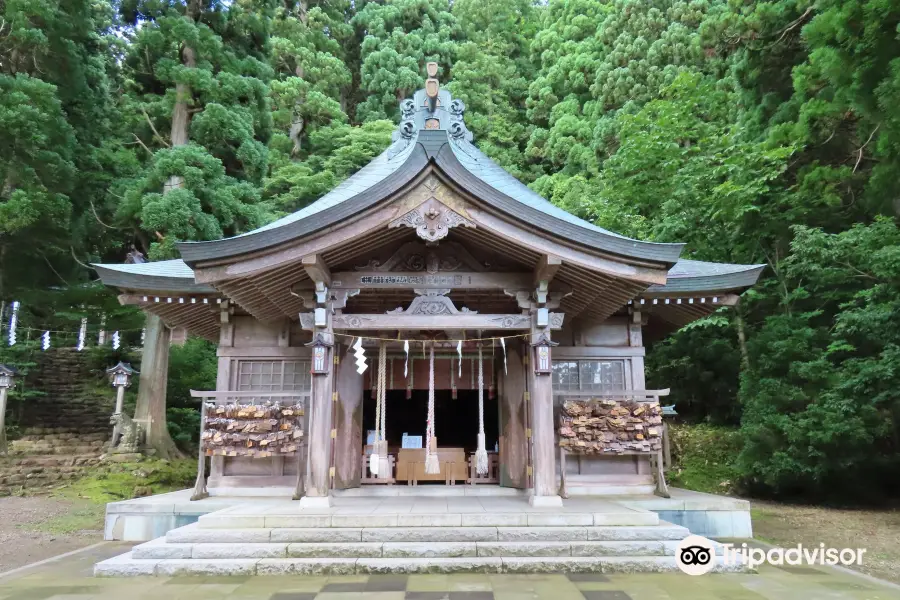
126	565
622	489
195	534
159	549
229	519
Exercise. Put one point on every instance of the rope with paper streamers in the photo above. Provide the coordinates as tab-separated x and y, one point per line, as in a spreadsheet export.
393	339
379	447
481	457
432	467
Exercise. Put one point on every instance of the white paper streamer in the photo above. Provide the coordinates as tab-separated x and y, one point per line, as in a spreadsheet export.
82	333
459	351
360	354
116	340
101	337
406	365
12	323
45	341
503	343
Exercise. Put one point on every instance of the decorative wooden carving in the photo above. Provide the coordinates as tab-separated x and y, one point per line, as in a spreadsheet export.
556	320
352	321
431	302
415	256
432	220
307	320
339	297
513	321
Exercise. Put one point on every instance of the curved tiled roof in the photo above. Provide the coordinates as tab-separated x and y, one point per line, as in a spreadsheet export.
436	136
419	140
162	276
700	276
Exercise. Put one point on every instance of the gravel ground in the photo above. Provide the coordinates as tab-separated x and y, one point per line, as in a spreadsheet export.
35	528
878	531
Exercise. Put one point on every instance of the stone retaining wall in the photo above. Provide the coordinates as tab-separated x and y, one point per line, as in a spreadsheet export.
65	430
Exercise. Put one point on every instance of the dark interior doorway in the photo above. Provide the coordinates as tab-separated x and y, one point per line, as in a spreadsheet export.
456	420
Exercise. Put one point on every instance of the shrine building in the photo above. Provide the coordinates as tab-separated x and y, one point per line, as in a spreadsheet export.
432	309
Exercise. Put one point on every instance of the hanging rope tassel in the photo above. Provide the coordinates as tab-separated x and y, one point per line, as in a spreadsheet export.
432	467
379	448
481	457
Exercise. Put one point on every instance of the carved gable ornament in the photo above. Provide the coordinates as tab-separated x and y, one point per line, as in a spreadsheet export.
431	302
432	220
436	210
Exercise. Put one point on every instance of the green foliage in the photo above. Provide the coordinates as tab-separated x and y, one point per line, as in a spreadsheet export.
400	36
192	366
704	458
700	365
822	413
754	132
338	151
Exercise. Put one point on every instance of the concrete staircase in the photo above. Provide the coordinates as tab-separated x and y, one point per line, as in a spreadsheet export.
243	541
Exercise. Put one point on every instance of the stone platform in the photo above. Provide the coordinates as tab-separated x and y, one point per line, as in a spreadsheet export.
144	519
412	534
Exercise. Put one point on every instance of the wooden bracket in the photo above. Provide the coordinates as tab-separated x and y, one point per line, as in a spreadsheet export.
316	269
546	269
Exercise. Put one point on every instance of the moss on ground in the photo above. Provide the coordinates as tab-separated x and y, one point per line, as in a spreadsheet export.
703	457
84	500
111	482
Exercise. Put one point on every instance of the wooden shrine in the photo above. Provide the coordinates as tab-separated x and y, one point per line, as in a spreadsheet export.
431	248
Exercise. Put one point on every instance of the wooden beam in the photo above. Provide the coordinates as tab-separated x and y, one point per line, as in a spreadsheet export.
409	280
433	322
546	268
316	269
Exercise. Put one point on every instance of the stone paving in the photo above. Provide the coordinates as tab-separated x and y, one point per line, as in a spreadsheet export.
70	579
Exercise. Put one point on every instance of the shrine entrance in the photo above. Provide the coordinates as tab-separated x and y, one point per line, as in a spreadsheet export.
454	407
456	424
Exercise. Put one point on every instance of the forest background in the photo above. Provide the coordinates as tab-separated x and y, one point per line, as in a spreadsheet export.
756	132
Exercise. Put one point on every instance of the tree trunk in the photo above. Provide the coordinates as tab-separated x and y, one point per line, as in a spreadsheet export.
181	115
150	410
151	403
742	338
298	124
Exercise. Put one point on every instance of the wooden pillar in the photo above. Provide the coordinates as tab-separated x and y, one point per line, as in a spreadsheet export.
318	476
542	427
635	340
223	382
348	443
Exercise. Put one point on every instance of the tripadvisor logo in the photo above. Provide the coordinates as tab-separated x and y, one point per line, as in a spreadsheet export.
696	555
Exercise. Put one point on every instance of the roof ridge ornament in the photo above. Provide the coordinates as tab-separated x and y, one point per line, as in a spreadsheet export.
432	86
430	108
